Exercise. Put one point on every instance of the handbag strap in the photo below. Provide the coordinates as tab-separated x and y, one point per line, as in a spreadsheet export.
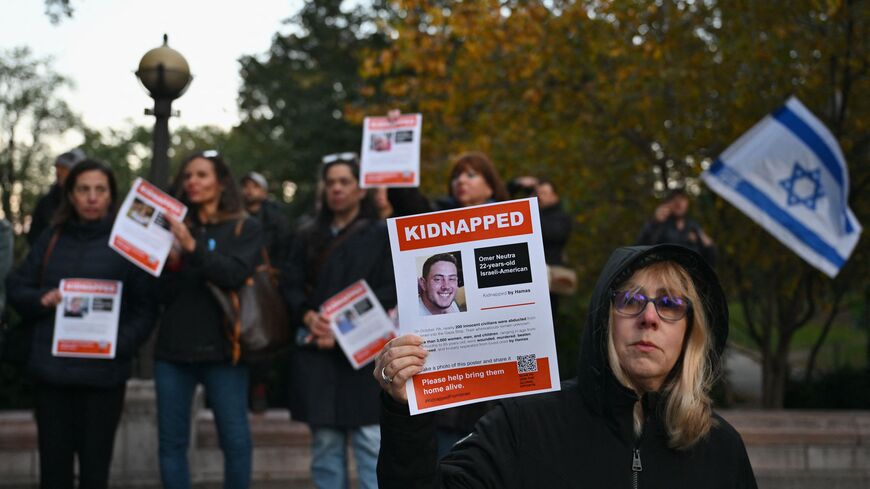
235	332
48	251
322	258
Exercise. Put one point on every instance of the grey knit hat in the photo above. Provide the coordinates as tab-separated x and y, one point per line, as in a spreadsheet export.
71	158
257	178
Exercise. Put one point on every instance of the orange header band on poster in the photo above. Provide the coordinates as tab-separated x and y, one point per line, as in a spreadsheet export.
90	286
343	298
463	225
382	123
161	199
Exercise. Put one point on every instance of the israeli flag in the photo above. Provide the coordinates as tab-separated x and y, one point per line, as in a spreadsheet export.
788	174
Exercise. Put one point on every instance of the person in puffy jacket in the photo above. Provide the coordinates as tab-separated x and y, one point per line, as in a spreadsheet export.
345	243
638	416
217	244
78	401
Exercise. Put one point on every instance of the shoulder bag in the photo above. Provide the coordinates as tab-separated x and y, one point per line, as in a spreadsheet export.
256	315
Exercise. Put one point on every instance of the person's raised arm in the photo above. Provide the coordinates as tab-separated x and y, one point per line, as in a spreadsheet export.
409	453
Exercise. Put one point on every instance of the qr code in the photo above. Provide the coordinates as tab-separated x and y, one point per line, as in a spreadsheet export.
527	363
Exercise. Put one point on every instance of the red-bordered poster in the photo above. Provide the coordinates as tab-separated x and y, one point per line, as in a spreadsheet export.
473	283
141	232
359	322
390	155
86	320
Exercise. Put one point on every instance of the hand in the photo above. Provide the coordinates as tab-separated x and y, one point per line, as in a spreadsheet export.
51	298
398	361
662	212
325	342
182	235
317	323
174	253
705	240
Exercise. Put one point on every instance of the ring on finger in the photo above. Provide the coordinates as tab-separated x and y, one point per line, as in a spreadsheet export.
384	378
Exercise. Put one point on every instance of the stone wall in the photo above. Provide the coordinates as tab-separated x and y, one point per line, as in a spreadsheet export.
788	449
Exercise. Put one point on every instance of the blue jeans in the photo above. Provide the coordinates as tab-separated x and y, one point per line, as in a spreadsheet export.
329	456
226	388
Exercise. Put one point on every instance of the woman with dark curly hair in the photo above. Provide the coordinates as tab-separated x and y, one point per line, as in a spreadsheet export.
217	244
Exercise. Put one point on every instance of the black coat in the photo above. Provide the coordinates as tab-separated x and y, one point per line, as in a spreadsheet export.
654	232
276	230
325	390
581	436
82	251
43	212
192	328
555	231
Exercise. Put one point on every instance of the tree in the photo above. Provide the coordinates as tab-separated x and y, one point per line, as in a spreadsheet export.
56	10
31	111
294	98
619	101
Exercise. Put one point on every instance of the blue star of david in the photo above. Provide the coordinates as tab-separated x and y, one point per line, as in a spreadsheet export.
799	194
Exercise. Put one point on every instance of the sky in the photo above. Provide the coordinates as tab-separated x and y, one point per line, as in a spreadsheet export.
99	49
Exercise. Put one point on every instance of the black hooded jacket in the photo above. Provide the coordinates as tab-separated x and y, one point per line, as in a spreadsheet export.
581	436
81	251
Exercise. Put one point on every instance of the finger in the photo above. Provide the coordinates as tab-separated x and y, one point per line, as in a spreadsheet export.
402	376
398	352
406	339
399	364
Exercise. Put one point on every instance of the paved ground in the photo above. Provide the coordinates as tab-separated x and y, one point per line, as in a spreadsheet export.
744	376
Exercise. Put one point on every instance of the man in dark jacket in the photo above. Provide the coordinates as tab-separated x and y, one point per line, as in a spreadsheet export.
276	239
273	219
670	224
583	436
48	203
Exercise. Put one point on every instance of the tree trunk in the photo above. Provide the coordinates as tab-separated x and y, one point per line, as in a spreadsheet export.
774	375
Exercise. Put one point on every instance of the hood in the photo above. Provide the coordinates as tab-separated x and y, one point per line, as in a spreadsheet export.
594	372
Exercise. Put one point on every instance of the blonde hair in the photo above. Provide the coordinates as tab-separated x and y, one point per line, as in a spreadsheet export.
688	412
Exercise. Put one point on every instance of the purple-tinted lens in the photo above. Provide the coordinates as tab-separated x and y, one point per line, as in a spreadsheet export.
671	307
628	302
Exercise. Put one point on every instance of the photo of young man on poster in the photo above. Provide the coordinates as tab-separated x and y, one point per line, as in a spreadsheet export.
439	284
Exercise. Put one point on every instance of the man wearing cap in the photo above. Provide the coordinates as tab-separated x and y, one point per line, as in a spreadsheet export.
276	239
48	203
276	225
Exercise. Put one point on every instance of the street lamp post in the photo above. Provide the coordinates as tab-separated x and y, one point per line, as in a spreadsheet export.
165	73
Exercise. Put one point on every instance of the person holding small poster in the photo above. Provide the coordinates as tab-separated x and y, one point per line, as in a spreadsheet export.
638	415
218	244
78	400
345	243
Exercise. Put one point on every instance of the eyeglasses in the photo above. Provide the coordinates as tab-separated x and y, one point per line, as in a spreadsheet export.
668	307
331	158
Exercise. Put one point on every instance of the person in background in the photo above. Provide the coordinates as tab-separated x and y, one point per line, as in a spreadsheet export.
217	244
473	181
522	187
346	242
78	401
7	242
272	217
48	203
639	414
670	224
276	239
555	222
555	231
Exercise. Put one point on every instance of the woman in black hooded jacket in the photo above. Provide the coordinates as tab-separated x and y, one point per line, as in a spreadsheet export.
638	415
78	401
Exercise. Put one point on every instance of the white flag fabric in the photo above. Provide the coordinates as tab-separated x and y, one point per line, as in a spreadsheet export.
788	174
